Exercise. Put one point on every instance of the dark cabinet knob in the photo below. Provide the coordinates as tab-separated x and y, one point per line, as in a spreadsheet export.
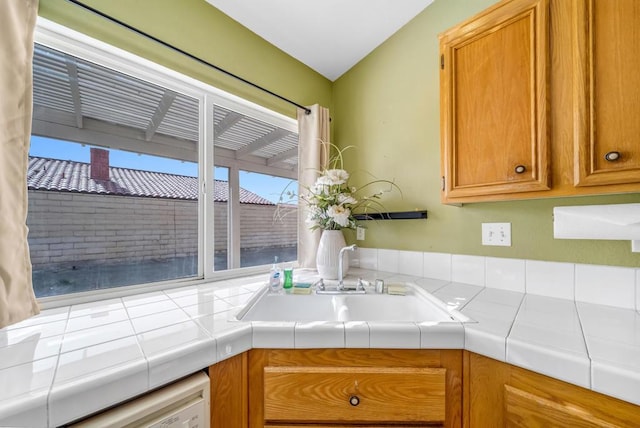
612	156
354	400
519	169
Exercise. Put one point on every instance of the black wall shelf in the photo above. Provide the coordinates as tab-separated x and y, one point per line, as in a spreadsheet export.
403	215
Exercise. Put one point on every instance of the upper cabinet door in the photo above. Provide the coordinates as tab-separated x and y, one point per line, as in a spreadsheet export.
493	101
607	92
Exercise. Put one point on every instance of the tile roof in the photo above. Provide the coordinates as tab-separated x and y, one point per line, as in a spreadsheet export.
72	176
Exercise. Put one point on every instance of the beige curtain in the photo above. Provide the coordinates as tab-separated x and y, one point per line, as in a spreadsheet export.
313	130
17	24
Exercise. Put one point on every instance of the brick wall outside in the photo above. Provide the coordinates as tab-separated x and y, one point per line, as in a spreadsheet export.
66	228
258	228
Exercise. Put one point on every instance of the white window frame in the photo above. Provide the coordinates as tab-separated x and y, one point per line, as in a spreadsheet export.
56	36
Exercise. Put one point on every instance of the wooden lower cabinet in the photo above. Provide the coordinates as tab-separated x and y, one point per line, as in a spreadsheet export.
229	398
355	387
339	388
335	388
501	395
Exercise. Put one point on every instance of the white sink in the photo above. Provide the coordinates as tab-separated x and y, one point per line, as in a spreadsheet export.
415	306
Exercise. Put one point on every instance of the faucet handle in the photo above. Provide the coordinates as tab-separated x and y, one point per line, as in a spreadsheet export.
319	284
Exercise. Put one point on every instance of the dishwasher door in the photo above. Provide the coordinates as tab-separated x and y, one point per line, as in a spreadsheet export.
183	404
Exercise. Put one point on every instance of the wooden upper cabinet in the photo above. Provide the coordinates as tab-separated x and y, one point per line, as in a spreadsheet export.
493	100
607	92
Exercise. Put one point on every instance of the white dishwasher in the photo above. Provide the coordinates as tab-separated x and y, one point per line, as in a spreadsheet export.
183	404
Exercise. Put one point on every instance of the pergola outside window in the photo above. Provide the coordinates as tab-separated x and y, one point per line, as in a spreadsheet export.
140	175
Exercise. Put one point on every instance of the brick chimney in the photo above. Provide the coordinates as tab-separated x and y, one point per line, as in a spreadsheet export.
99	164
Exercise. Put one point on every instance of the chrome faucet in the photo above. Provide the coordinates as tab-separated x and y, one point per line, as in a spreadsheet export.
340	256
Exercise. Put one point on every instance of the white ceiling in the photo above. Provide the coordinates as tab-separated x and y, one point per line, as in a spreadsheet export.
330	36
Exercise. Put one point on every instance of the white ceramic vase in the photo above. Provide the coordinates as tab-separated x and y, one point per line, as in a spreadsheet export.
327	257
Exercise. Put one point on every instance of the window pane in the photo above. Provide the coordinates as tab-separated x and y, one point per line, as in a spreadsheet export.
121	207
261	161
268	219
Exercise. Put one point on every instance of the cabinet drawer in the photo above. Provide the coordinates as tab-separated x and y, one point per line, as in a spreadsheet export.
354	394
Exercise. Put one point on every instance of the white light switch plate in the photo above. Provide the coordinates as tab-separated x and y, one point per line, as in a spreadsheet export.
635	246
360	233
498	234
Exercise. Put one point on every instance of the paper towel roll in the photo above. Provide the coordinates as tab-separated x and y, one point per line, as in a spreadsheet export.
620	222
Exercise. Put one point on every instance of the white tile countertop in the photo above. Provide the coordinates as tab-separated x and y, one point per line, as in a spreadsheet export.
72	361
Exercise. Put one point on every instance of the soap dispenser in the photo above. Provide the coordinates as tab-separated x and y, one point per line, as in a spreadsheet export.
274	276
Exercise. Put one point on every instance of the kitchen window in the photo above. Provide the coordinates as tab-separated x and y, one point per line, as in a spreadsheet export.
139	175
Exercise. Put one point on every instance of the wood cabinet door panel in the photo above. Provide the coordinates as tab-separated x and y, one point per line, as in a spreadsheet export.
502	395
229	399
607	92
494	82
492	108
522	408
354	394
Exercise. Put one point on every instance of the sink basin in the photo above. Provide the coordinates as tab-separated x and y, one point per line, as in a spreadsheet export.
415	306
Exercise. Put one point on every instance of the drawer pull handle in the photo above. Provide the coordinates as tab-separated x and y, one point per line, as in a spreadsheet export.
354	400
519	169
612	156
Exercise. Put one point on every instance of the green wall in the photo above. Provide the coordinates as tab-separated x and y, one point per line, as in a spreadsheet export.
388	107
196	27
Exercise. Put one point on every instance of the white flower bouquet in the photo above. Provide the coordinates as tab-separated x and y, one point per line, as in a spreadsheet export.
331	201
